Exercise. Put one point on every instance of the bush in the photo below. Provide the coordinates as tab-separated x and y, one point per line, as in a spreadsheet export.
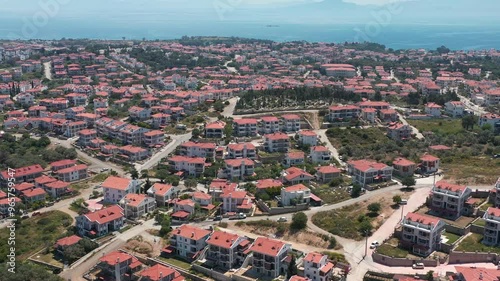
299	221
333	243
223	224
374	208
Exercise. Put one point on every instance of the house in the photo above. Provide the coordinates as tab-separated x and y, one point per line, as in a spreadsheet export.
102	222
154	138
41	181
277	142
241	150
236	201
86	136
187	241
160	119
404	167
269	125
62	164
294	158
342	113
388	115
182	207
308	138
433	109
31	196
202	149
269	256
162	193
23	174
56	188
295	194
203	200
65	242
454	108
421	233
24	186
119	265
220	186
326	174
264	184
317	267
139	113
369	114
429	164
294	175
115	188
246	127
320	155
472	273
5	205
238	168
290	123
366	172
215	129
227	250
193	166
136	205
492	119
449	199
159	272
298	278
133	153
491	229
74	173
399	131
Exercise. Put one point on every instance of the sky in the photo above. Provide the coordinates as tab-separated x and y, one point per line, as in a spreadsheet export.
261	11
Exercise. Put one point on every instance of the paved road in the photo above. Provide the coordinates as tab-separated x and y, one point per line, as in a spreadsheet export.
416	132
229	110
47	69
335	153
155	159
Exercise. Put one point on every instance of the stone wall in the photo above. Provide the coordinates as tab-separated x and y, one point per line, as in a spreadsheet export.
390	261
469	257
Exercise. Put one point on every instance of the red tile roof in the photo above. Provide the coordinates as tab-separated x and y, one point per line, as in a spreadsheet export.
423	219
134	200
429	158
475	274
34	192
276	136
24	171
222	239
65	162
268	183
159	271
116	183
234	194
365	165
402	162
314	257
73	169
442	184
493	211
328	170
161	189
239	162
297	187
106	215
117	257
201	195
191	232
68	241
57	185
267	246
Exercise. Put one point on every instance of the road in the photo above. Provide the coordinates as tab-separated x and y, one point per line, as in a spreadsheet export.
323	137
155	159
472	106
416	132
229	109
47	68
230	68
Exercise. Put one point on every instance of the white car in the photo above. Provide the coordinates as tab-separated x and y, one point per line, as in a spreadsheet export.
282	219
418	265
374	244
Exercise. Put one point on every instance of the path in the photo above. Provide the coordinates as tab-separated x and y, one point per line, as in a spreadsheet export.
47	69
164	152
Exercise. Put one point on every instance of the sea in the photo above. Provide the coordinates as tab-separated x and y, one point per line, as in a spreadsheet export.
396	36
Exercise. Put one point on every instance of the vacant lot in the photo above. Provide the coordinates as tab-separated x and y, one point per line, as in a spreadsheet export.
461	222
345	222
472	243
438	126
472	170
332	195
36	233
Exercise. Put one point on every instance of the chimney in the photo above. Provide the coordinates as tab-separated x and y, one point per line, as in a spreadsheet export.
118	275
192	234
161	276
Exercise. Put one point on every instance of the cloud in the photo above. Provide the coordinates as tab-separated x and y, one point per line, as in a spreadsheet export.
374	2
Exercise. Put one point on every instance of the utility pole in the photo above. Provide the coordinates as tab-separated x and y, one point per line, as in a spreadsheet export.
402	208
366	244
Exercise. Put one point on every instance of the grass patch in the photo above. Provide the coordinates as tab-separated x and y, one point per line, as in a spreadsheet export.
99	177
48	258
343	222
331	195
36	233
471	170
391	251
480	222
177	262
452	238
123	229
438	126
337	257
486	205
472	243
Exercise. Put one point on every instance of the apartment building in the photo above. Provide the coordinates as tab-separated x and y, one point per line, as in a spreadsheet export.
73	173
115	188
433	109
448	199
193	166
399	131
492	228
309	138
202	149
326	174
238	168
154	138
187	241
317	267
241	150
227	250
421	233
215	129
23	174
294	158
62	164
290	123
269	125
246	127
119	265
277	142
162	193
367	172
86	136
341	113
136	205
269	256
454	108
295	194
160	272
492	119
429	164
102	222
320	155
294	175
403	167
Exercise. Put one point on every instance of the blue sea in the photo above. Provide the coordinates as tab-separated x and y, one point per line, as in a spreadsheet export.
396	36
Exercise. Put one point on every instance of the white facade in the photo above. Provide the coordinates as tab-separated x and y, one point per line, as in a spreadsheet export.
454	108
422	233
299	194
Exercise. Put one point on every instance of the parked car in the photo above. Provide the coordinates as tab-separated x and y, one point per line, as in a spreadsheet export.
36	214
374	244
217	218
282	219
403	202
418	265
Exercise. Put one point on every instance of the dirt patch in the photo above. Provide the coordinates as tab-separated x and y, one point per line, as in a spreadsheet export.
144	246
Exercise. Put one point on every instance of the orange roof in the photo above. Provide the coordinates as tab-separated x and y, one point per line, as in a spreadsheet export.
245	121
216	125
234	194
193	160
423	219
134	200
294	172
68	241
308	133
442	184
57	185
191	232
24	171
365	165
493	211
24	186
298	278
159	271
73	169
474	274
161	188
241	146
276	136
239	162
268	183
222	239
402	162
327	267
222	184
105	215
201	195
428	158
186	202
314	257
328	170
65	162
297	187
267	246
116	183
319	148
117	257
295	155
34	192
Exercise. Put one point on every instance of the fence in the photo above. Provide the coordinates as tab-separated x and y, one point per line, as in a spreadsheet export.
390	261
281	210
469	257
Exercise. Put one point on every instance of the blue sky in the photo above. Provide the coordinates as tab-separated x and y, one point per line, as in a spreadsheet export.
265	11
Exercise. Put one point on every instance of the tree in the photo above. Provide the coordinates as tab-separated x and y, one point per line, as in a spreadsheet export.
333	242
443	50
292	267
374	208
144	174
196	133
468	122
299	221
356	190
396	199
190	183
162	174
134	174
165	226
365	227
27	271
147	186
408	182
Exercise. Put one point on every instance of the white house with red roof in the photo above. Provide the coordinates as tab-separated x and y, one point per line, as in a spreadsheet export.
454	108
86	136
404	167
188	241
320	154
102	222
492	119
269	125
73	173
23	174
136	205
421	233
277	142
492	227
295	194
369	114
294	175
294	158
246	127
62	164
238	168
139	113
399	131
236	201
307	137
65	242
241	150
343	113
31	196
56	188
429	164
154	138
290	123
119	265
215	129
133	153
298	278
115	188
326	174
182	207
220	186
449	199
162	193
366	172
227	250
317	267
433	109
5	204
159	272
201	149
269	256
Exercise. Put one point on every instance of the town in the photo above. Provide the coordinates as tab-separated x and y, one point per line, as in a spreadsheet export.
212	158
